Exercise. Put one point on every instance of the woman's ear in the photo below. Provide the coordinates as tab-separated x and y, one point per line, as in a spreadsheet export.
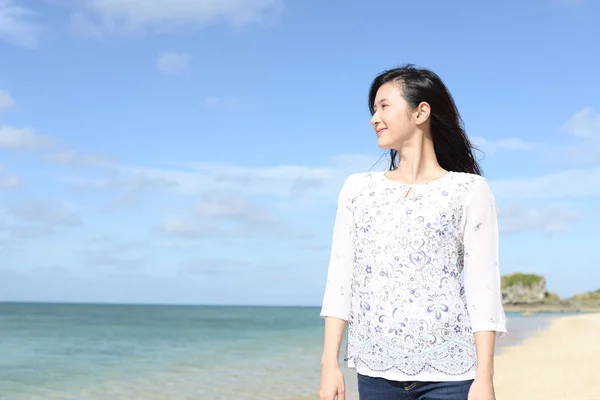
422	113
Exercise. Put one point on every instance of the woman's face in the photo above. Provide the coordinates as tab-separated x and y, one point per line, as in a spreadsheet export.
394	122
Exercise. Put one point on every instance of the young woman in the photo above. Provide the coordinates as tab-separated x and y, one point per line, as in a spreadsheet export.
402	240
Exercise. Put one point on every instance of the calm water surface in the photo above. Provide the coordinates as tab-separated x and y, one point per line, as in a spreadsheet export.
129	352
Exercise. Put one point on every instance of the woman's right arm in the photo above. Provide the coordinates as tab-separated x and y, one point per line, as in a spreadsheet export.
337	298
332	378
334	333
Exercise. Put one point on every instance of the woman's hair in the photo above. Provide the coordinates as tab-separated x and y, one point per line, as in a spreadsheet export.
453	149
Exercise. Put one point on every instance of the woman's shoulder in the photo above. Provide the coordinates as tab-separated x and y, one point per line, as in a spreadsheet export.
362	178
470	185
467	180
357	182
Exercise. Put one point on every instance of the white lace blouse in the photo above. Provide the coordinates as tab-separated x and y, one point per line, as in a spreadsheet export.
395	275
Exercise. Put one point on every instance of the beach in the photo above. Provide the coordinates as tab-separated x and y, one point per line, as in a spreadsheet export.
558	363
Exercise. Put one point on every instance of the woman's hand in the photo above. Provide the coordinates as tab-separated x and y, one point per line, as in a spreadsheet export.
482	389
332	384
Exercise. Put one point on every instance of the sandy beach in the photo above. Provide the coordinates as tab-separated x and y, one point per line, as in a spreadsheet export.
559	362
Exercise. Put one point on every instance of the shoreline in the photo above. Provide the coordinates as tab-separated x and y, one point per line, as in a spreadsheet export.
552	308
556	360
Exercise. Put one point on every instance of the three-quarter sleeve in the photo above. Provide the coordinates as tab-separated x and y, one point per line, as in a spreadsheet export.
337	297
481	261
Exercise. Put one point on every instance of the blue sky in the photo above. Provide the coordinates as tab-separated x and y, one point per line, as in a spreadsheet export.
193	153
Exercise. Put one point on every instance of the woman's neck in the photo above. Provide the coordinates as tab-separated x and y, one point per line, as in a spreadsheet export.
417	161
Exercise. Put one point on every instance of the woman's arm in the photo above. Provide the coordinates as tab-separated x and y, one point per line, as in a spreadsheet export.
334	333
337	297
482	274
484	343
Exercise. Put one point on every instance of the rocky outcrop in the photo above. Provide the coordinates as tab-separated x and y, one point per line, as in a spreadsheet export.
528	293
519	288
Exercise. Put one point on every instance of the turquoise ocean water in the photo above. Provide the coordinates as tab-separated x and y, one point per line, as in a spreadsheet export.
143	352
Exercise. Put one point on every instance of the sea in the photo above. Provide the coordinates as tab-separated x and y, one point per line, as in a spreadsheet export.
153	352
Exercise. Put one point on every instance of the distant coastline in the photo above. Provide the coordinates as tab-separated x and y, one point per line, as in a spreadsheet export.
527	293
553	308
521	293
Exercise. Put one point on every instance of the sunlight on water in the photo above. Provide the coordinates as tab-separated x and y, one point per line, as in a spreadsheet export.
91	352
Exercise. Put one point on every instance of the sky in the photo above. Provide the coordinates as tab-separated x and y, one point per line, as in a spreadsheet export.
191	151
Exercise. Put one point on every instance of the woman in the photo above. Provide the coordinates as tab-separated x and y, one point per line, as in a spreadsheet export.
402	238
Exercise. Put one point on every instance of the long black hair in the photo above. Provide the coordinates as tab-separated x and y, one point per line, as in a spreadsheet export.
452	147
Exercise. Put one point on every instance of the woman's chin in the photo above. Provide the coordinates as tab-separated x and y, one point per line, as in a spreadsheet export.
383	143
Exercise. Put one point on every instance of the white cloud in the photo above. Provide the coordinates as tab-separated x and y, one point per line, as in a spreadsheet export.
186	227
226	214
584	124
213	266
98	17
246	217
547	219
173	63
318	184
225	102
71	157
15	235
569	2
8	182
300	183
493	146
568	184
22	138
212	101
16	26
128	188
228	205
18	138
133	181
6	100
586	152
49	213
107	252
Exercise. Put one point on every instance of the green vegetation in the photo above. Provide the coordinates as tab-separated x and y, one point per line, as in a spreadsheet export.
521	288
552	296
595	295
527	280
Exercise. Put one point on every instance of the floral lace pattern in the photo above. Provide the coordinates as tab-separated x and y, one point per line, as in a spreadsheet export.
395	272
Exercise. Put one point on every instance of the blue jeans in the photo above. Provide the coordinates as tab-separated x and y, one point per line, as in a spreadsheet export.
370	388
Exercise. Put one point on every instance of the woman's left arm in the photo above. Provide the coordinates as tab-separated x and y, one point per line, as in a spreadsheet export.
483	386
483	281
485	342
